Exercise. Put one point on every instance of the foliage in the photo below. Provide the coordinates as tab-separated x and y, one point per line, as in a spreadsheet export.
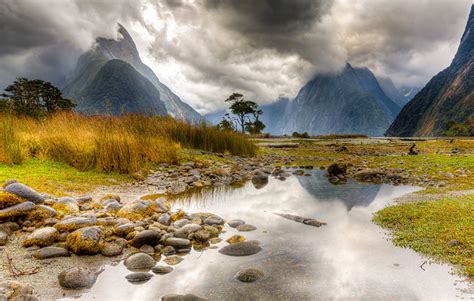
110	144
34	98
298	135
442	229
247	114
454	129
226	124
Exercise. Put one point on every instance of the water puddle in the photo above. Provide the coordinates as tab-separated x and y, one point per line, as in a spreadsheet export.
348	259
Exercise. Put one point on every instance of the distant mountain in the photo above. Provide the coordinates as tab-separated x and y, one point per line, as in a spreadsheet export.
124	49
449	96
349	102
392	92
121	89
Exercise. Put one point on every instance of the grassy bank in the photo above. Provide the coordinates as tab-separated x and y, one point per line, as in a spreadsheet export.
442	229
110	144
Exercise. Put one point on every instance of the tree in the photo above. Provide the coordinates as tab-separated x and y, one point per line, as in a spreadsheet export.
226	124
246	114
35	98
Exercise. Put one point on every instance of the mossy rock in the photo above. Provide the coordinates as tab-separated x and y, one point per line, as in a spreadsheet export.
41	237
86	241
40	213
8	199
140	209
66	206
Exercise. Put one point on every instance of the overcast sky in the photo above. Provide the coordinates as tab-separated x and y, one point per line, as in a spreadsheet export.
206	49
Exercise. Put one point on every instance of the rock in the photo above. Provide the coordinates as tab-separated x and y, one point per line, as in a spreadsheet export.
74	223
112	205
215	240
124	230
249	275
299	219
25	192
246	227
8	200
187	297
240	249
146	237
214	220
41	212
313	222
17	210
182	222
66	206
161	269
85	241
178	243
412	150
177	187
8	182
16	291
111	249
173	259
202	235
3	237
147	249
139	209
337	169
84	199
186	230
235	239
165	219
168	250
234	223
42	237
139	261
50	252
368	175
139	277
76	278
259	179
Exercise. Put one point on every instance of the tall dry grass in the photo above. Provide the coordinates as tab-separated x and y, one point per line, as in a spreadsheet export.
122	144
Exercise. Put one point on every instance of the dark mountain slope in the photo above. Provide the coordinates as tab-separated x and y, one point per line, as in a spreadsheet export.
449	96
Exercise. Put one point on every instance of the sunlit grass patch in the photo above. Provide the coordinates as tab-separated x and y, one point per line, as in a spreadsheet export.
442	229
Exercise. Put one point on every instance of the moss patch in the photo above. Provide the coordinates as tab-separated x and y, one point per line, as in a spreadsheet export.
441	229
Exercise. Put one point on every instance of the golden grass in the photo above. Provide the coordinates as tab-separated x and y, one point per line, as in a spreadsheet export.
110	144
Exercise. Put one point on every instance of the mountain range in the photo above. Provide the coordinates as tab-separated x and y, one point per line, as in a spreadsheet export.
448	96
111	78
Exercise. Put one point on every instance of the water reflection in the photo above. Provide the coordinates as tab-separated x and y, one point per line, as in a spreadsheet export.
349	258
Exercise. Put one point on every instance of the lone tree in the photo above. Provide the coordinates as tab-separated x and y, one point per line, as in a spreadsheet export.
34	98
246	115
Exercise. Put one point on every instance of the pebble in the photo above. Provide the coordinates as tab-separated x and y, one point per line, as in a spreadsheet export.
139	277
50	252
240	249
173	259
161	269
246	228
139	261
249	275
234	223
76	278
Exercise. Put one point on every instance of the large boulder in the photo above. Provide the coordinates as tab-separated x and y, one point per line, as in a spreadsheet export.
42	237
74	223
16	211
66	206
337	169
25	192
139	261
259	179
146	237
76	278
85	241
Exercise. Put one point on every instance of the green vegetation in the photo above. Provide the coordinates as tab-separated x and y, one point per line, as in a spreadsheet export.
460	129
34	98
58	178
246	115
441	229
110	144
299	135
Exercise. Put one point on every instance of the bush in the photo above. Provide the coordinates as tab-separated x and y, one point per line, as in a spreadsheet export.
298	135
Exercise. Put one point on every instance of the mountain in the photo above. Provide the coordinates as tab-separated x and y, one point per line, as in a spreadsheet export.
448	96
121	89
392	92
124	49
349	102
409	91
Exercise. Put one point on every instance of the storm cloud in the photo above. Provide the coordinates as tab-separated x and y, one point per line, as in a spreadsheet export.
206	49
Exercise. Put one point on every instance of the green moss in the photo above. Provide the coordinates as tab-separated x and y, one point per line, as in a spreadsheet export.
441	229
8	199
58	178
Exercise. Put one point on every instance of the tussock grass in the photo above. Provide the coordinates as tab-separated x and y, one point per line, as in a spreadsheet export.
110	144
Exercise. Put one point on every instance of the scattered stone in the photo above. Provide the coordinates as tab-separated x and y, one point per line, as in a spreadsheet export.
246	228
74	223
240	249
313	222
165	219
139	261
202	235
214	220
182	222
3	237
186	230
147	249
173	259
215	240
76	278
162	269
259	179
178	243
85	241
42	237
299	219
146	237
17	210
50	252
25	192
168	250
234	223
235	239
249	275
139	277
124	230
16	291
111	249
337	168
66	206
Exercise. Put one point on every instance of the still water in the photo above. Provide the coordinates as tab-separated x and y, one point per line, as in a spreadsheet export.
348	259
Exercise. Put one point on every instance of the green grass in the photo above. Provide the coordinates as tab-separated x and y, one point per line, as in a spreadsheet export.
428	227
58	178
